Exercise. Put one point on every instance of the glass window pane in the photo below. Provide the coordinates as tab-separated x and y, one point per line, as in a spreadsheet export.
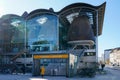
42	33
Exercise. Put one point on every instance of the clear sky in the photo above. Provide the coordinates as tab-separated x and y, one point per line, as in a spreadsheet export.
110	37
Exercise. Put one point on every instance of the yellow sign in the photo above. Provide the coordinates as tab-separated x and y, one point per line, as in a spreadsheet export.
51	56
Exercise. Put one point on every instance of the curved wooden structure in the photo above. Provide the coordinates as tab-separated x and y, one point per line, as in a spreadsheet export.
80	29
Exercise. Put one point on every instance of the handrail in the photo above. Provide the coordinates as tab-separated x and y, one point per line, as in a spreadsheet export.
18	54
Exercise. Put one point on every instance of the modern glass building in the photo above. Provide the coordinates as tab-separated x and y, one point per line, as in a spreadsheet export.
63	42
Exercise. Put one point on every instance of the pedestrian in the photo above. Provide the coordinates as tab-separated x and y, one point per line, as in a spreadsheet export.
23	69
42	71
102	66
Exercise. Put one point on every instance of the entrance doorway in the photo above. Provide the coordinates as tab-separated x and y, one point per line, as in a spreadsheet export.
54	66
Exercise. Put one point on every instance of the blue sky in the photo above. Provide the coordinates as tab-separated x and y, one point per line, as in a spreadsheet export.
110	37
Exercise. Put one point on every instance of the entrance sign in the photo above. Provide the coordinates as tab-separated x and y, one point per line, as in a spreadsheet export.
51	56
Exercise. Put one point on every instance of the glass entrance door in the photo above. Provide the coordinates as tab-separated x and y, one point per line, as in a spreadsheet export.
54	67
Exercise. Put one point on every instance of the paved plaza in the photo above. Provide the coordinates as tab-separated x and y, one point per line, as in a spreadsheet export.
112	74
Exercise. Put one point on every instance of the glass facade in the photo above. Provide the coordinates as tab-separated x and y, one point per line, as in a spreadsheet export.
12	34
42	33
63	30
18	40
54	66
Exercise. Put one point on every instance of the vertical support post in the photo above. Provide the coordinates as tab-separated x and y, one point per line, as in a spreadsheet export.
25	34
25	44
69	65
57	32
96	35
104	57
33	67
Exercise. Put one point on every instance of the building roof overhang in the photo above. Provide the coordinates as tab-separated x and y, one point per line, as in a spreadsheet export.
9	16
38	12
73	8
78	7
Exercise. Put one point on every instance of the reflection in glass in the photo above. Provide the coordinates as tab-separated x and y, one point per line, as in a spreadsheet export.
42	33
12	33
42	20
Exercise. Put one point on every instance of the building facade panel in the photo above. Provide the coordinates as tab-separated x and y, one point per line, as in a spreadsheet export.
115	57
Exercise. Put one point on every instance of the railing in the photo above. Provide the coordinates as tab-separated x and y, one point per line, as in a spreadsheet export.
18	54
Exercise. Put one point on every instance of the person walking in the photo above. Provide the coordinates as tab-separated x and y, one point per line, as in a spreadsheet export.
102	66
42	71
23	69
